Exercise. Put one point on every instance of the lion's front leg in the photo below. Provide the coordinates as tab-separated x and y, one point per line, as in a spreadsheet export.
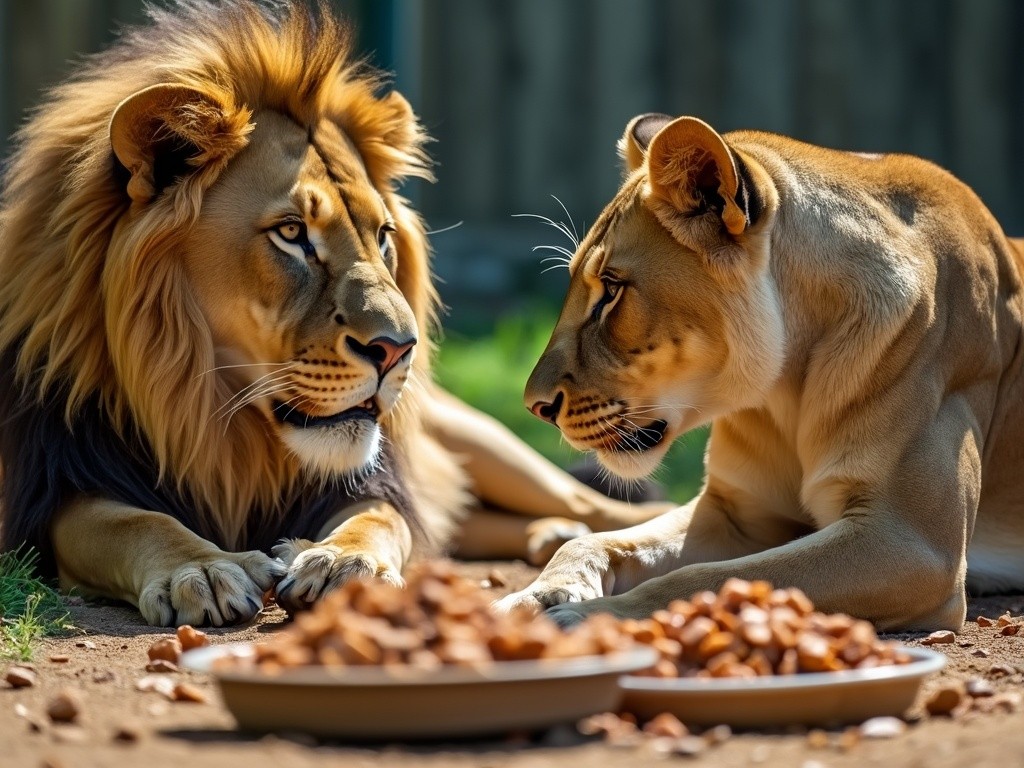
366	540
151	560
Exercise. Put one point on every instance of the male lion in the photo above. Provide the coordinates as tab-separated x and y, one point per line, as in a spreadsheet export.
213	305
851	326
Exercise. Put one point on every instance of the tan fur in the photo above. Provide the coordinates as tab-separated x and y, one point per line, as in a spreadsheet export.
176	306
856	349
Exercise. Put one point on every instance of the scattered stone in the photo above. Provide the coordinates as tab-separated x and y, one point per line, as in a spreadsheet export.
882	727
127	733
497	578
717	735
166	649
20	677
156	684
190	693
942	637
102	676
984	621
158	708
686	746
945	699
1001	670
161	667
75	600
59	658
64	707
848	739
666	724
817	739
560	737
979	688
88	645
307	740
70	734
1005	620
190	638
1007	701
1010	629
981	653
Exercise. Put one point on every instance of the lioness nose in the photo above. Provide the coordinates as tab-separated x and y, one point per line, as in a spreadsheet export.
548	411
383	352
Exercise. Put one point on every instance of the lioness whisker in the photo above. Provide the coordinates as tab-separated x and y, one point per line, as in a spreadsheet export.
551	223
575	234
237	365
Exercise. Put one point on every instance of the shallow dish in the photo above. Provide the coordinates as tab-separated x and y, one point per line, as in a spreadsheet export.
406	703
824	698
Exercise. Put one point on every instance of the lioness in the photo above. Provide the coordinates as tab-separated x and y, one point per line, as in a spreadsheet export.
214	331
851	327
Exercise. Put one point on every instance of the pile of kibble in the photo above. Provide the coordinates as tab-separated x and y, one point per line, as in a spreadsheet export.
439	618
747	629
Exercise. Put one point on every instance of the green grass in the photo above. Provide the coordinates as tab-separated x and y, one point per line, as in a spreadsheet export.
29	608
490	372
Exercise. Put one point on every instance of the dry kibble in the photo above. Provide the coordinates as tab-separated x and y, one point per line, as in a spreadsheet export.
666	724
190	638
1010	629
721	733
1005	620
166	649
64	707
817	739
161	667
188	692
984	622
945	699
20	677
942	637
59	658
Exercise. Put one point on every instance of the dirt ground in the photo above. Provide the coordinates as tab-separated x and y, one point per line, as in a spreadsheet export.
107	658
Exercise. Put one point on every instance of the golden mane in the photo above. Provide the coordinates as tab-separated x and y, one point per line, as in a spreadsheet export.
100	308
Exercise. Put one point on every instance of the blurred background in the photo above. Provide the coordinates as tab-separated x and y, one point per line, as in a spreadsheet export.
526	99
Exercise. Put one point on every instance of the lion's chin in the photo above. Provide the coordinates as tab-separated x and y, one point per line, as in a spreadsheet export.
633	465
341	449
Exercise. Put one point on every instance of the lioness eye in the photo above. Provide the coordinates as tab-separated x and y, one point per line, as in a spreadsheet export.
292	238
611	290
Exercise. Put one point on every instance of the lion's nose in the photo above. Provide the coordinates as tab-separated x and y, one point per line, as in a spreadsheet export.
385	353
548	411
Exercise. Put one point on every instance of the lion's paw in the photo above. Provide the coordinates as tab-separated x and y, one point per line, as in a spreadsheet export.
218	589
316	569
538	597
545	536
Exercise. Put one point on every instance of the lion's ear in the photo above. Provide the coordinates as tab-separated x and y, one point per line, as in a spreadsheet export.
166	132
692	168
639	132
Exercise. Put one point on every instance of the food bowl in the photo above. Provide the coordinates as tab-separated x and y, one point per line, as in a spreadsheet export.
374	703
818	698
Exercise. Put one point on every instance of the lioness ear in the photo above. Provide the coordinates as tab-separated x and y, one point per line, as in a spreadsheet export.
690	166
639	132
165	132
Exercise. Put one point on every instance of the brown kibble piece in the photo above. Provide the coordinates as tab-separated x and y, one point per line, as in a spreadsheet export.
942	637
1010	629
20	677
945	700
666	724
1005	620
64	707
59	658
497	578
167	649
161	667
128	733
190	638
188	692
984	622
817	739
720	733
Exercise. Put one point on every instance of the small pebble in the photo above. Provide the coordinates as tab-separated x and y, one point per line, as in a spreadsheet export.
497	578
666	724
127	733
978	688
188	692
981	653
817	739
70	734
942	637
103	676
1001	670
59	658
1005	620
64	707
19	677
717	735
984	622
160	666
945	699
882	727
167	649
88	645
1010	629
157	684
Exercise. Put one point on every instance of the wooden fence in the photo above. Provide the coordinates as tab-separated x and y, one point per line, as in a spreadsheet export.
527	97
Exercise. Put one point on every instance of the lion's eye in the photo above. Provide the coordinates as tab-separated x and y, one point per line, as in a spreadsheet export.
292	238
612	288
384	241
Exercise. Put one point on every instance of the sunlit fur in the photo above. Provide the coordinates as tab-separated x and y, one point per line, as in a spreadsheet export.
99	298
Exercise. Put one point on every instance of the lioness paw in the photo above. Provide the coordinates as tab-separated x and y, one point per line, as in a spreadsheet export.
545	536
316	569
539	597
225	588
